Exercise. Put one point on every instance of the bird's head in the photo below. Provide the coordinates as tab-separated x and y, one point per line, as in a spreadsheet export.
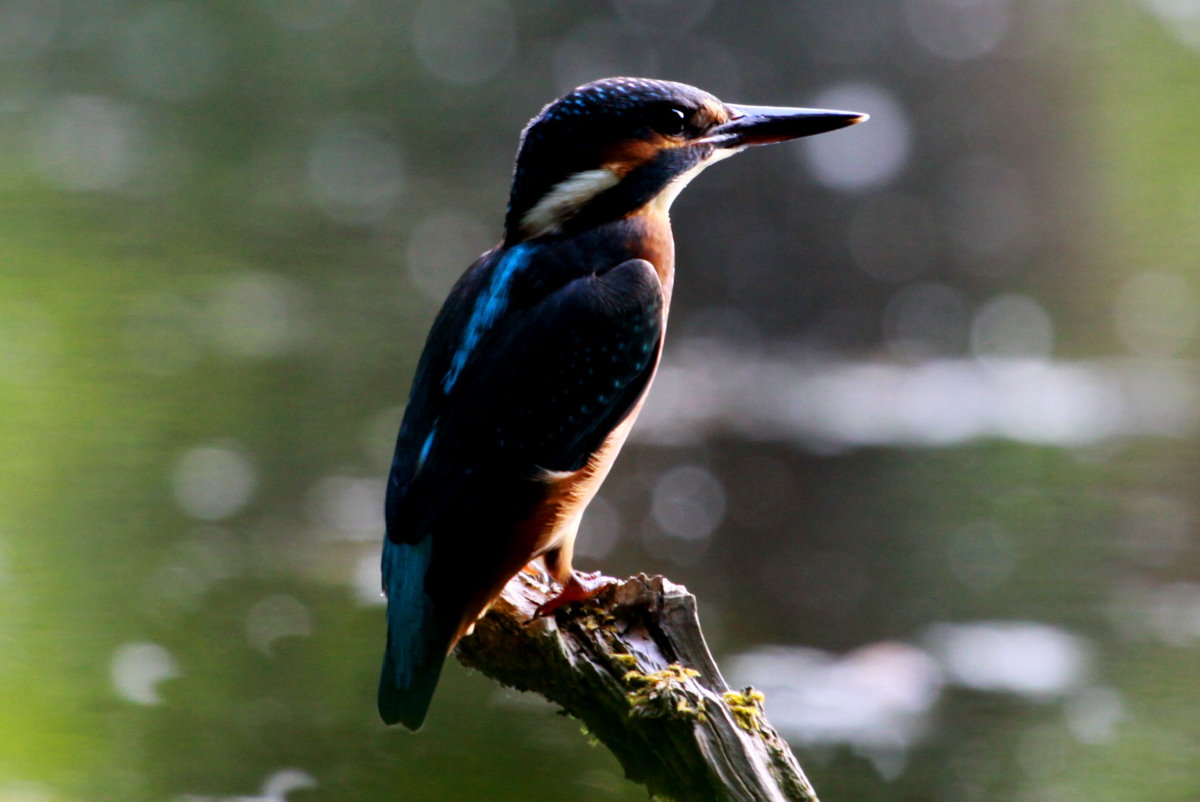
618	146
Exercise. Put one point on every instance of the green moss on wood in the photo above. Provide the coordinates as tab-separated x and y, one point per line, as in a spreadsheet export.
664	693
747	709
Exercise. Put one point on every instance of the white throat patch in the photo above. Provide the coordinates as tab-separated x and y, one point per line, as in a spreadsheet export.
565	199
663	200
573	193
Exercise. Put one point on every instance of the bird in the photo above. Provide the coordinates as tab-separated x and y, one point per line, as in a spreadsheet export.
539	360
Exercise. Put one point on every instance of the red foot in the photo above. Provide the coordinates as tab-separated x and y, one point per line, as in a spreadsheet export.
578	587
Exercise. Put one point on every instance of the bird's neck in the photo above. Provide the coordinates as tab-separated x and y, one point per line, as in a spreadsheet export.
651	228
644	235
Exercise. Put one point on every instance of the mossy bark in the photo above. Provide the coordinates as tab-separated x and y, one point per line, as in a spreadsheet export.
632	665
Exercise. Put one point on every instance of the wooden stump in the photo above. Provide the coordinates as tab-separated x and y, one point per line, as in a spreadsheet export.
633	666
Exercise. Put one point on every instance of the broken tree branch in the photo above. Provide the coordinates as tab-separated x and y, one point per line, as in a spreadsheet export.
632	665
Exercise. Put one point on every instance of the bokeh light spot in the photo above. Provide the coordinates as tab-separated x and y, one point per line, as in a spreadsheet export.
213	482
987	214
1180	17
925	320
596	49
281	783
275	617
1012	327
1173	611
1156	314
957	29
348	507
1092	715
87	142
875	698
465	42
208	556
355	174
259	314
366	581
136	670
1025	658
440	248
689	502
868	155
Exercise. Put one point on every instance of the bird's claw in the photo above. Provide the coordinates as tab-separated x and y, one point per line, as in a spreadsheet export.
578	587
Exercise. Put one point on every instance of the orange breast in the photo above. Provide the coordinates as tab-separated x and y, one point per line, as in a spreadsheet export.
654	242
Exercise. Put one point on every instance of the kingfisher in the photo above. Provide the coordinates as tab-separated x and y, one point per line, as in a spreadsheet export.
538	362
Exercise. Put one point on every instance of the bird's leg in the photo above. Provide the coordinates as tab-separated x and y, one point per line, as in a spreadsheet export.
577	587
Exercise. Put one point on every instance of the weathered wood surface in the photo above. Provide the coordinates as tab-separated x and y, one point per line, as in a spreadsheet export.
633	666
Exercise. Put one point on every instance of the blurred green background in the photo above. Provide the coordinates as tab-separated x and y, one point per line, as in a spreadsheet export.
924	443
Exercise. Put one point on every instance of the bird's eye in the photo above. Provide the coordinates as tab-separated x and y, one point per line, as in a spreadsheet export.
671	121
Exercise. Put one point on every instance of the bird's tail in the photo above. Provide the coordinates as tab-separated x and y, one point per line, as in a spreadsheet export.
416	642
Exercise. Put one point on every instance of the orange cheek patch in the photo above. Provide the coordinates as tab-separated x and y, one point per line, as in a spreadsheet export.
628	154
713	114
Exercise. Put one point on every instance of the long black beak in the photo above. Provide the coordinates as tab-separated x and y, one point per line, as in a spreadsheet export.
762	125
